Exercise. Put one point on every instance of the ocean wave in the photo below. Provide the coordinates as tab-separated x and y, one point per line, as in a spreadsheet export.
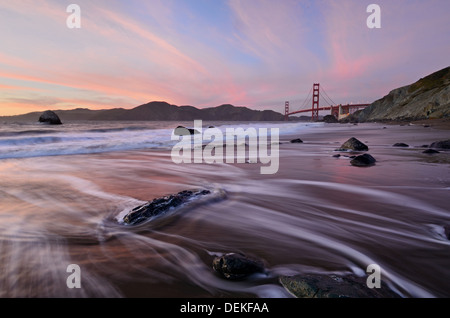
108	137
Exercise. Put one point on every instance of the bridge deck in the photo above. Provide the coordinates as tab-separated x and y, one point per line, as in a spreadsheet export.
348	106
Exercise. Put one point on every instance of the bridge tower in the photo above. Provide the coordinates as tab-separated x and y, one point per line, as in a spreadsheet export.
286	111
315	102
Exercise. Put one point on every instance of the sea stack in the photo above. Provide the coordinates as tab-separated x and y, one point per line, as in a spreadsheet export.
49	117
183	131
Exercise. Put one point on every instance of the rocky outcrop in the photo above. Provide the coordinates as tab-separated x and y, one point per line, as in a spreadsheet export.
296	141
235	266
49	117
429	97
333	286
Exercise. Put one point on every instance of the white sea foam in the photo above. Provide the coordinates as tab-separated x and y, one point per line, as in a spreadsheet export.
106	137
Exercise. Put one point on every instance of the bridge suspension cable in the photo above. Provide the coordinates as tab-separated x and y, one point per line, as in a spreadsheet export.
327	99
306	100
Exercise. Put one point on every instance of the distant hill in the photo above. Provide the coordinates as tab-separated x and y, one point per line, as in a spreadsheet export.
159	111
429	97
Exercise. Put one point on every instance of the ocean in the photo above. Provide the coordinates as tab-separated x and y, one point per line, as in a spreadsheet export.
64	189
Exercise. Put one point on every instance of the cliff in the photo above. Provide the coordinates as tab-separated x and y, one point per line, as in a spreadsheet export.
428	98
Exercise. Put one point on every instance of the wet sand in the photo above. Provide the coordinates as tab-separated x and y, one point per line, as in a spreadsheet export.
317	214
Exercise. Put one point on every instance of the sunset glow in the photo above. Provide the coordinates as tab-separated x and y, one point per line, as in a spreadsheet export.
254	53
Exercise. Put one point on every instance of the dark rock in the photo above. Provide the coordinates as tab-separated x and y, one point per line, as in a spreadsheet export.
400	144
330	119
296	141
336	156
235	266
353	144
333	286
447	231
49	117
363	160
430	151
352	119
424	146
444	144
183	131
161	205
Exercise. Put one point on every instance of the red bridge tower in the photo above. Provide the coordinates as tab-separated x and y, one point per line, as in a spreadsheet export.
315	102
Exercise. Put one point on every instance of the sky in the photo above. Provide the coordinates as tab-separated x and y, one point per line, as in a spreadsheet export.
205	53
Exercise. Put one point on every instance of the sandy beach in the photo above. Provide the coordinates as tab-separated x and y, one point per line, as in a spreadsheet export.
317	214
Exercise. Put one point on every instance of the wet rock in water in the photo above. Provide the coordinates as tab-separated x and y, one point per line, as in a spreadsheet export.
49	117
400	144
183	131
336	156
363	160
430	151
235	266
444	144
161	205
353	144
296	141
447	231
333	286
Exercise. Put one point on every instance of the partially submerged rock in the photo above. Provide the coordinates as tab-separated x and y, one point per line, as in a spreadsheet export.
363	160
333	286
444	144
183	131
49	117
430	151
447	231
400	144
296	141
235	266
161	205
353	144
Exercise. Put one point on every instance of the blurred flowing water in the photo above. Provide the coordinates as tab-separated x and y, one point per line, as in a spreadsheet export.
63	191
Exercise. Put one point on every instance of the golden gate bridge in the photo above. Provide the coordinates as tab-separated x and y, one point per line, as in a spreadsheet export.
339	111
